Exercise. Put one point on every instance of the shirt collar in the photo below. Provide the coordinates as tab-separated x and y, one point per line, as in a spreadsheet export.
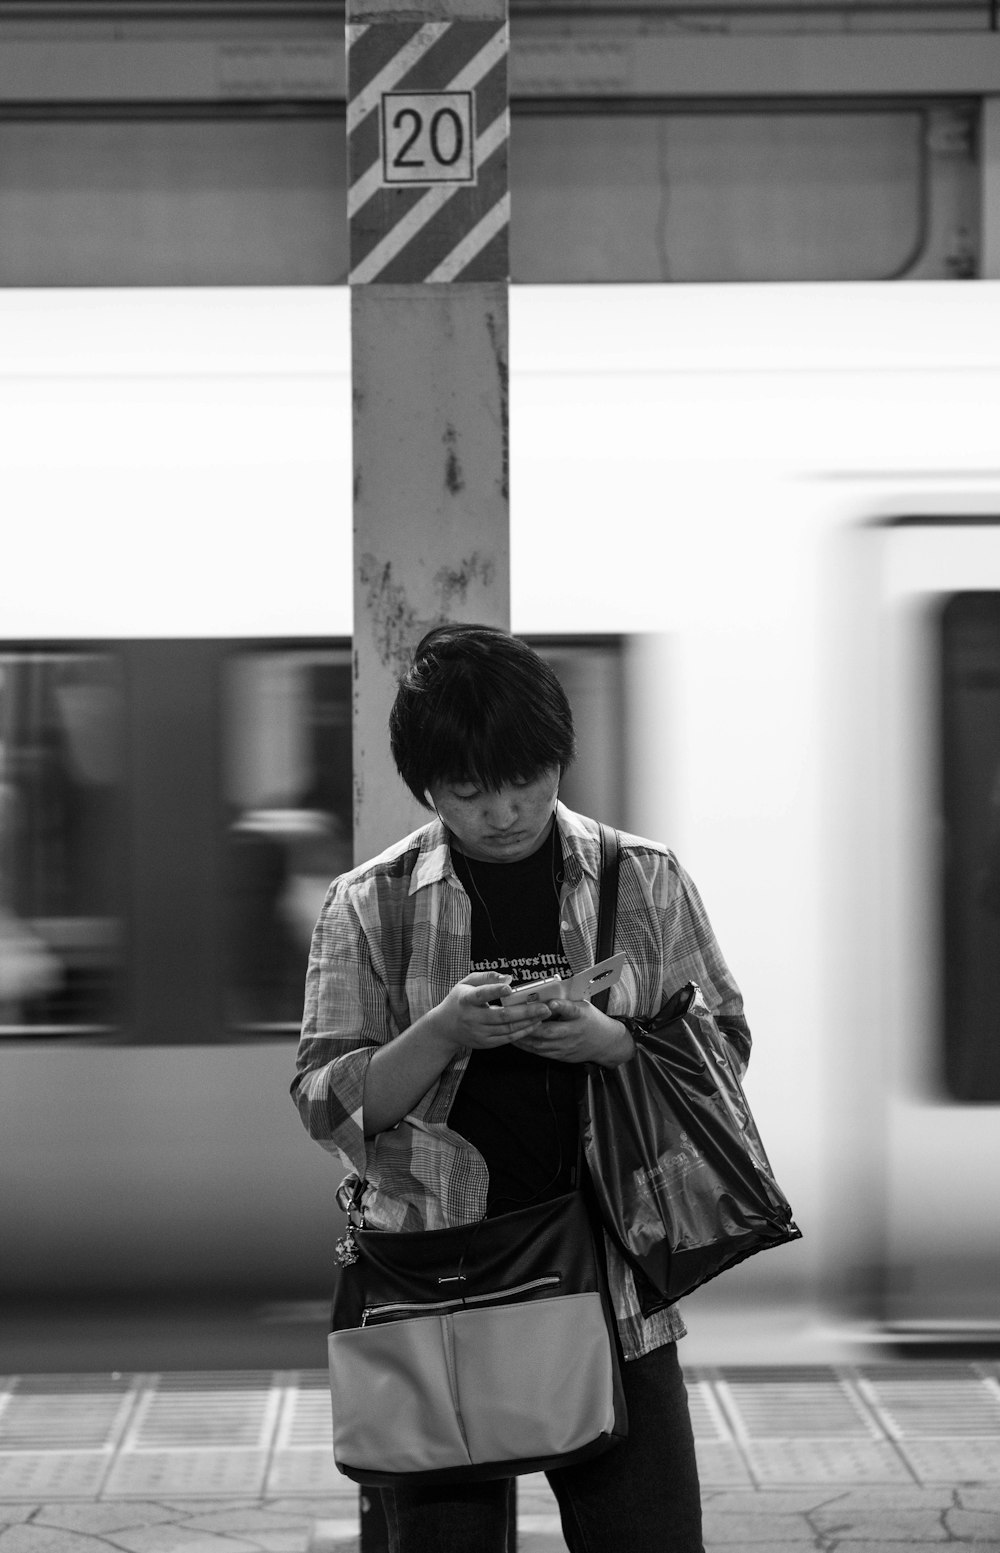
581	845
578	836
434	858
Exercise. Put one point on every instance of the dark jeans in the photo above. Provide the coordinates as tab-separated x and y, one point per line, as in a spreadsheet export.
641	1496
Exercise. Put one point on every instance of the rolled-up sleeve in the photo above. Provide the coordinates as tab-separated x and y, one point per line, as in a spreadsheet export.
346	1019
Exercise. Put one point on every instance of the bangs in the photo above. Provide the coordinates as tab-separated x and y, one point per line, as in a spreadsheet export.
492	751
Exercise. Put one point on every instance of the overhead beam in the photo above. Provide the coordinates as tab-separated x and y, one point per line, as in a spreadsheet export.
135	62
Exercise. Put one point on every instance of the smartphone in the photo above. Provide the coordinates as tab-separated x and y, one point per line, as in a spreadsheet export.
584	984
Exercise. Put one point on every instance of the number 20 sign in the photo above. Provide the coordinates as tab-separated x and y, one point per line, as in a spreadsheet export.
428	137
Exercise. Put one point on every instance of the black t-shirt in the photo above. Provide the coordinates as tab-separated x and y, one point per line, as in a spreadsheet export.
518	1110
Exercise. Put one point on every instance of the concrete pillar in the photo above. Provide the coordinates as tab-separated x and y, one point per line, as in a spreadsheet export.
429	208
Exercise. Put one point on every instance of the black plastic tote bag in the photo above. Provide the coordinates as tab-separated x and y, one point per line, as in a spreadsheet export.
679	1173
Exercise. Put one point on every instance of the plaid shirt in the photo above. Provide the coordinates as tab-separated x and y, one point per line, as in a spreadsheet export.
392	940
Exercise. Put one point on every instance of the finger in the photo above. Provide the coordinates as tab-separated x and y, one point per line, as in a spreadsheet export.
489	996
543	1024
518	1032
519	1020
538	1042
562	1008
505	1035
492	979
493	1038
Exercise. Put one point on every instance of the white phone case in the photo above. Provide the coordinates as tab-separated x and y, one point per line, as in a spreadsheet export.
584	984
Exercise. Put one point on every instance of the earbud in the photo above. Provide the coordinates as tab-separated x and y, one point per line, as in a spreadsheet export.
437	811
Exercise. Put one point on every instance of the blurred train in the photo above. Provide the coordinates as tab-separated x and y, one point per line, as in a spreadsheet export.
758	531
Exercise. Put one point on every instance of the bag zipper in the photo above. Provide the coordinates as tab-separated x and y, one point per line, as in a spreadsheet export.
380	1312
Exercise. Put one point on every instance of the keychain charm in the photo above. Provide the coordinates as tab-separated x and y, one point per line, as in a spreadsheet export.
345	1251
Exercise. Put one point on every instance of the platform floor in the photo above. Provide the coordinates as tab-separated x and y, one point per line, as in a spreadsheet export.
844	1458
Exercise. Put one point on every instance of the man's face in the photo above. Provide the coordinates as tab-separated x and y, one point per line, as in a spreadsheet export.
502	826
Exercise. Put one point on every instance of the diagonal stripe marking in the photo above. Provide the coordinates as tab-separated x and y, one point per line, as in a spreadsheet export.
493	222
404	231
481	64
467	80
429	71
361	105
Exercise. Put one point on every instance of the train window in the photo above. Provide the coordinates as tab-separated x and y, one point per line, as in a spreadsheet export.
970	637
62	829
287	777
591	673
172	813
167	809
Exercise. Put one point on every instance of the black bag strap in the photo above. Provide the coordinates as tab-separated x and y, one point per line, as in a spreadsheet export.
607	904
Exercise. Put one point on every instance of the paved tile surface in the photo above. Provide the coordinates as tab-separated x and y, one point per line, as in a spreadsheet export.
845	1459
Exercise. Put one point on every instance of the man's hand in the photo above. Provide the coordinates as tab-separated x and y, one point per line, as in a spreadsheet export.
579	1032
466	1018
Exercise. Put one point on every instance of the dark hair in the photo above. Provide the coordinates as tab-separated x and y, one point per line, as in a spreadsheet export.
478	705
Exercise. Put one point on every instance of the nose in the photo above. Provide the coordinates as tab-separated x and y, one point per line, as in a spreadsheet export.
501	813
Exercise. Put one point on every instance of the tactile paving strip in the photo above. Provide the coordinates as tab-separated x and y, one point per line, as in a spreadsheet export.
267	1435
720	1461
302	1462
59	1434
199	1434
943	1418
806	1425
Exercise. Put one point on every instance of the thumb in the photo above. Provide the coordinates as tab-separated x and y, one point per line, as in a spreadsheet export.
486	978
566	1009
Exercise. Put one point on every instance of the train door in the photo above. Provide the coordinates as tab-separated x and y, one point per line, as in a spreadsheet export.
939	802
